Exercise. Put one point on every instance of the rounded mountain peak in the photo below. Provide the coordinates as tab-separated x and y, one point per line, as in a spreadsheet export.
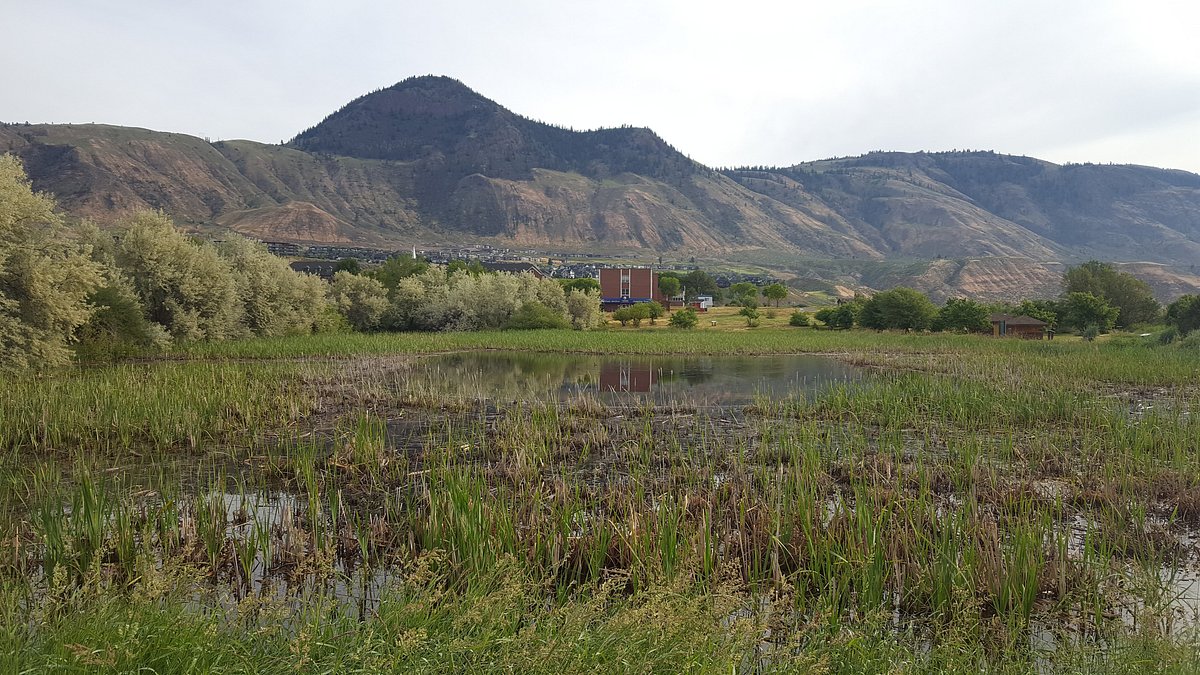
403	121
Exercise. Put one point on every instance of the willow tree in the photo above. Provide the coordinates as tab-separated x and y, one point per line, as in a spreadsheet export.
182	283
46	276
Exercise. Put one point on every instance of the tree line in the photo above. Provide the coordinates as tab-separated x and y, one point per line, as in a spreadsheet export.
75	291
1096	298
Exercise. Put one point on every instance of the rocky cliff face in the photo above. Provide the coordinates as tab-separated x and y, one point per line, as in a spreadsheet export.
430	161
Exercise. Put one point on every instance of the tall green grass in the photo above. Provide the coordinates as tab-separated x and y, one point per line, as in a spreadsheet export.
936	517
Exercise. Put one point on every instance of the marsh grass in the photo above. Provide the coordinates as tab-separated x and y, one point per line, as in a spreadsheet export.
935	518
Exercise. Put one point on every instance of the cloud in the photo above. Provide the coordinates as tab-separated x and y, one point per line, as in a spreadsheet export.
746	83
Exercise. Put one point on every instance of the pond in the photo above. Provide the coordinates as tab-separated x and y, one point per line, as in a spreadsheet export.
699	381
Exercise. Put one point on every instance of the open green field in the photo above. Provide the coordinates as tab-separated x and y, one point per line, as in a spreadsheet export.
335	504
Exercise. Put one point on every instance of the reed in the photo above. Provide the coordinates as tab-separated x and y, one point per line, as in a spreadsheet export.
309	513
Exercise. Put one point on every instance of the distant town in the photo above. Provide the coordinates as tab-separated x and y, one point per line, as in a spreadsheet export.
319	258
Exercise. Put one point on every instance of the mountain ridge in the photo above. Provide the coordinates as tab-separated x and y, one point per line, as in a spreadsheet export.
428	160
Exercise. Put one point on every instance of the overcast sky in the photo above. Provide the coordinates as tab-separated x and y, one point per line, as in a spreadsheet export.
729	83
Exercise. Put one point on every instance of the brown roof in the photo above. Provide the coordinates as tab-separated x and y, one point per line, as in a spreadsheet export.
1016	320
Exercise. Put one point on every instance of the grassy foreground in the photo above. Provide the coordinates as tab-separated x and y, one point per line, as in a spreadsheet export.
979	505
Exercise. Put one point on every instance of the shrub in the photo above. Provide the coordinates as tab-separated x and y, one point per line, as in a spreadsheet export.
534	315
799	319
434	300
842	316
898	308
1184	313
118	327
1191	341
684	318
276	300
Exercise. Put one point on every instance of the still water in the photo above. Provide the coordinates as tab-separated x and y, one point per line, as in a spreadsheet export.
659	380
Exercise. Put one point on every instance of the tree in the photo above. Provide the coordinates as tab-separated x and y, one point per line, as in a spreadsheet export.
472	267
697	283
183	284
276	300
583	308
654	309
751	314
898	308
684	318
350	265
669	286
962	315
1184	314
45	279
623	314
775	292
1080	310
361	299
799	319
1043	310
1131	296
640	312
744	293
843	316
632	314
585	284
398	267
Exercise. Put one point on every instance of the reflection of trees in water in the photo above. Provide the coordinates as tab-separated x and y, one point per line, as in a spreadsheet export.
507	376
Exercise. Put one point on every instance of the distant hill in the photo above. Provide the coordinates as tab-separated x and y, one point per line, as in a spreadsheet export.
982	203
430	161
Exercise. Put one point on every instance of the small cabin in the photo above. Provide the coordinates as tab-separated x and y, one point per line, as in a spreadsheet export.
1027	327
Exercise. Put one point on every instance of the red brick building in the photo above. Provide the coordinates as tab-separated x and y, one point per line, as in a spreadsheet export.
621	286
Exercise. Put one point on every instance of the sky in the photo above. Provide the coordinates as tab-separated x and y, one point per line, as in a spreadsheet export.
728	83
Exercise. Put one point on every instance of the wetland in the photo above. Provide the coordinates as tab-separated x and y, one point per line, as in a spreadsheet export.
840	504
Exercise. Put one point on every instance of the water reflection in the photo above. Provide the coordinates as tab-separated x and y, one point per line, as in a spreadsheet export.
661	380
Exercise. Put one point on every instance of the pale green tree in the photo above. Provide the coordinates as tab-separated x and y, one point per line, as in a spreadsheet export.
361	299
45	276
276	300
182	283
584	309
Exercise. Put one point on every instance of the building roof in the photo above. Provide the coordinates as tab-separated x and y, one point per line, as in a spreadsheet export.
1021	320
511	267
321	268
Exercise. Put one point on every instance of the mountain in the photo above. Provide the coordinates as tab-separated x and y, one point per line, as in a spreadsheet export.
429	161
984	203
